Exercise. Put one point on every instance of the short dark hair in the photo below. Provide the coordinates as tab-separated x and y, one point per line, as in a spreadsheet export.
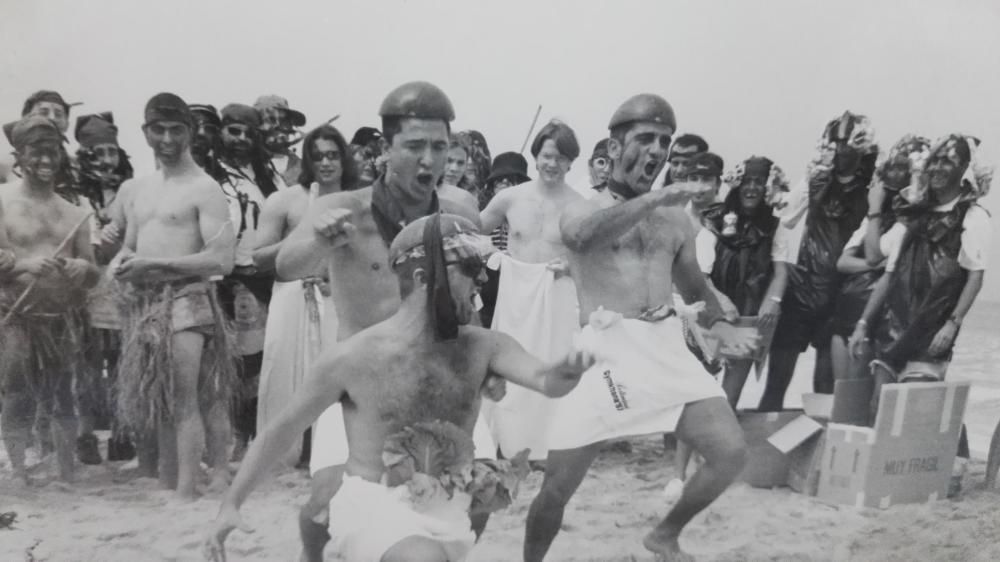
562	135
394	123
349	174
690	139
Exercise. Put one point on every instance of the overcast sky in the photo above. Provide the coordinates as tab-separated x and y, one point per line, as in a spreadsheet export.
752	77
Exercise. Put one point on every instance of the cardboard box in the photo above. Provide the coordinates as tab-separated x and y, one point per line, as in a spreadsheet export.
767	467
804	464
749	324
798	441
818	406
852	401
906	457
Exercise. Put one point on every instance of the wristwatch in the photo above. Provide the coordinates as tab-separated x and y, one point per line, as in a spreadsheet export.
955	320
874	216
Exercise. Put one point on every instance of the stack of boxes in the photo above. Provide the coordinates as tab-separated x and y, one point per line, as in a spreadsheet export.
828	449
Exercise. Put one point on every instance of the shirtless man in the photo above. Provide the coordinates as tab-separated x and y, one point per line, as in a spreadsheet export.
536	304
296	325
43	297
177	236
346	236
626	246
423	364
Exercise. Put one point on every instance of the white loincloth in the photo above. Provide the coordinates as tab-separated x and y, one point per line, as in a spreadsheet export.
542	314
292	343
643	378
368	518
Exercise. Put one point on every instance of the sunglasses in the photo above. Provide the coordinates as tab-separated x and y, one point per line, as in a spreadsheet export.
471	266
331	155
600	162
236	131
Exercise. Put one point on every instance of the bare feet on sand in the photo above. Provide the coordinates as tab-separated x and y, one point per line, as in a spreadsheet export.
219	482
666	547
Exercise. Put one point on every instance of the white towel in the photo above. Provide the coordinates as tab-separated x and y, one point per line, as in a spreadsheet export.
542	314
643	378
294	337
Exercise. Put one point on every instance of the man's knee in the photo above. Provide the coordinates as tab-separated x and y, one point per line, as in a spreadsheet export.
416	549
564	471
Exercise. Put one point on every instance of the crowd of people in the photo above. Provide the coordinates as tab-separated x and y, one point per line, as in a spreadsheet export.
280	297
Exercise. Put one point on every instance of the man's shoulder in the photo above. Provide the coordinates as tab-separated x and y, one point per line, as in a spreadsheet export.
352	200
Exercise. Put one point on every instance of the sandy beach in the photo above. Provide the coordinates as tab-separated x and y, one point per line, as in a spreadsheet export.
108	517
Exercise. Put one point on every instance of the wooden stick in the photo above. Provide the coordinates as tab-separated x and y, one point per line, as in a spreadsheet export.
62	246
532	128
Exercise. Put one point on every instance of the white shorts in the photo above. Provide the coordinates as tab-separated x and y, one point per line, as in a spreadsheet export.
368	518
643	378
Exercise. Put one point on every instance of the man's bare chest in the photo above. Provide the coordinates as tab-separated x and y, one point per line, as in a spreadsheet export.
424	388
535	219
30	223
173	209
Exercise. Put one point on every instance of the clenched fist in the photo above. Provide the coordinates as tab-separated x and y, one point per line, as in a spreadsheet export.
334	225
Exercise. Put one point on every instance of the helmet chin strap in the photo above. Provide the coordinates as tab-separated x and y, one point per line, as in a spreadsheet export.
440	305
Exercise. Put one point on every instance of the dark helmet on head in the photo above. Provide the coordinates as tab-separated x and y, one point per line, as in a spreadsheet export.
417	99
647	108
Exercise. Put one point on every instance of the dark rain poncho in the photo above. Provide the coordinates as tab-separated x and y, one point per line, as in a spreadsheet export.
924	288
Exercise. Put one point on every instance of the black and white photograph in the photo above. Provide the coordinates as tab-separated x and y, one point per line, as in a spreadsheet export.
499	281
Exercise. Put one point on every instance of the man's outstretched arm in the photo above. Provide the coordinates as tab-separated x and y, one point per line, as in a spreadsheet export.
510	361
584	226
320	391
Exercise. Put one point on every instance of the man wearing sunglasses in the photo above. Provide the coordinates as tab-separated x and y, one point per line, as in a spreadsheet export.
206	146
536	300
246	292
599	166
627	247
280	126
425	364
345	237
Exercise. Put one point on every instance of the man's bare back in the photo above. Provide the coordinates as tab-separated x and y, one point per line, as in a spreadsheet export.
532	211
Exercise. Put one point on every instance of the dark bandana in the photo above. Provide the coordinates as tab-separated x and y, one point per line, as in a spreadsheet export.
440	306
388	213
623	190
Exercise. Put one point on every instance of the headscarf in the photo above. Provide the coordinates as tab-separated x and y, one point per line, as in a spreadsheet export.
776	184
429	239
976	175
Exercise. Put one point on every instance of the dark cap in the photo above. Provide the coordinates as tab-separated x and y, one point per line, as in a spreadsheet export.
708	163
647	108
167	107
600	149
417	99
365	135
240	113
33	129
277	103
509	164
92	130
43	95
206	112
